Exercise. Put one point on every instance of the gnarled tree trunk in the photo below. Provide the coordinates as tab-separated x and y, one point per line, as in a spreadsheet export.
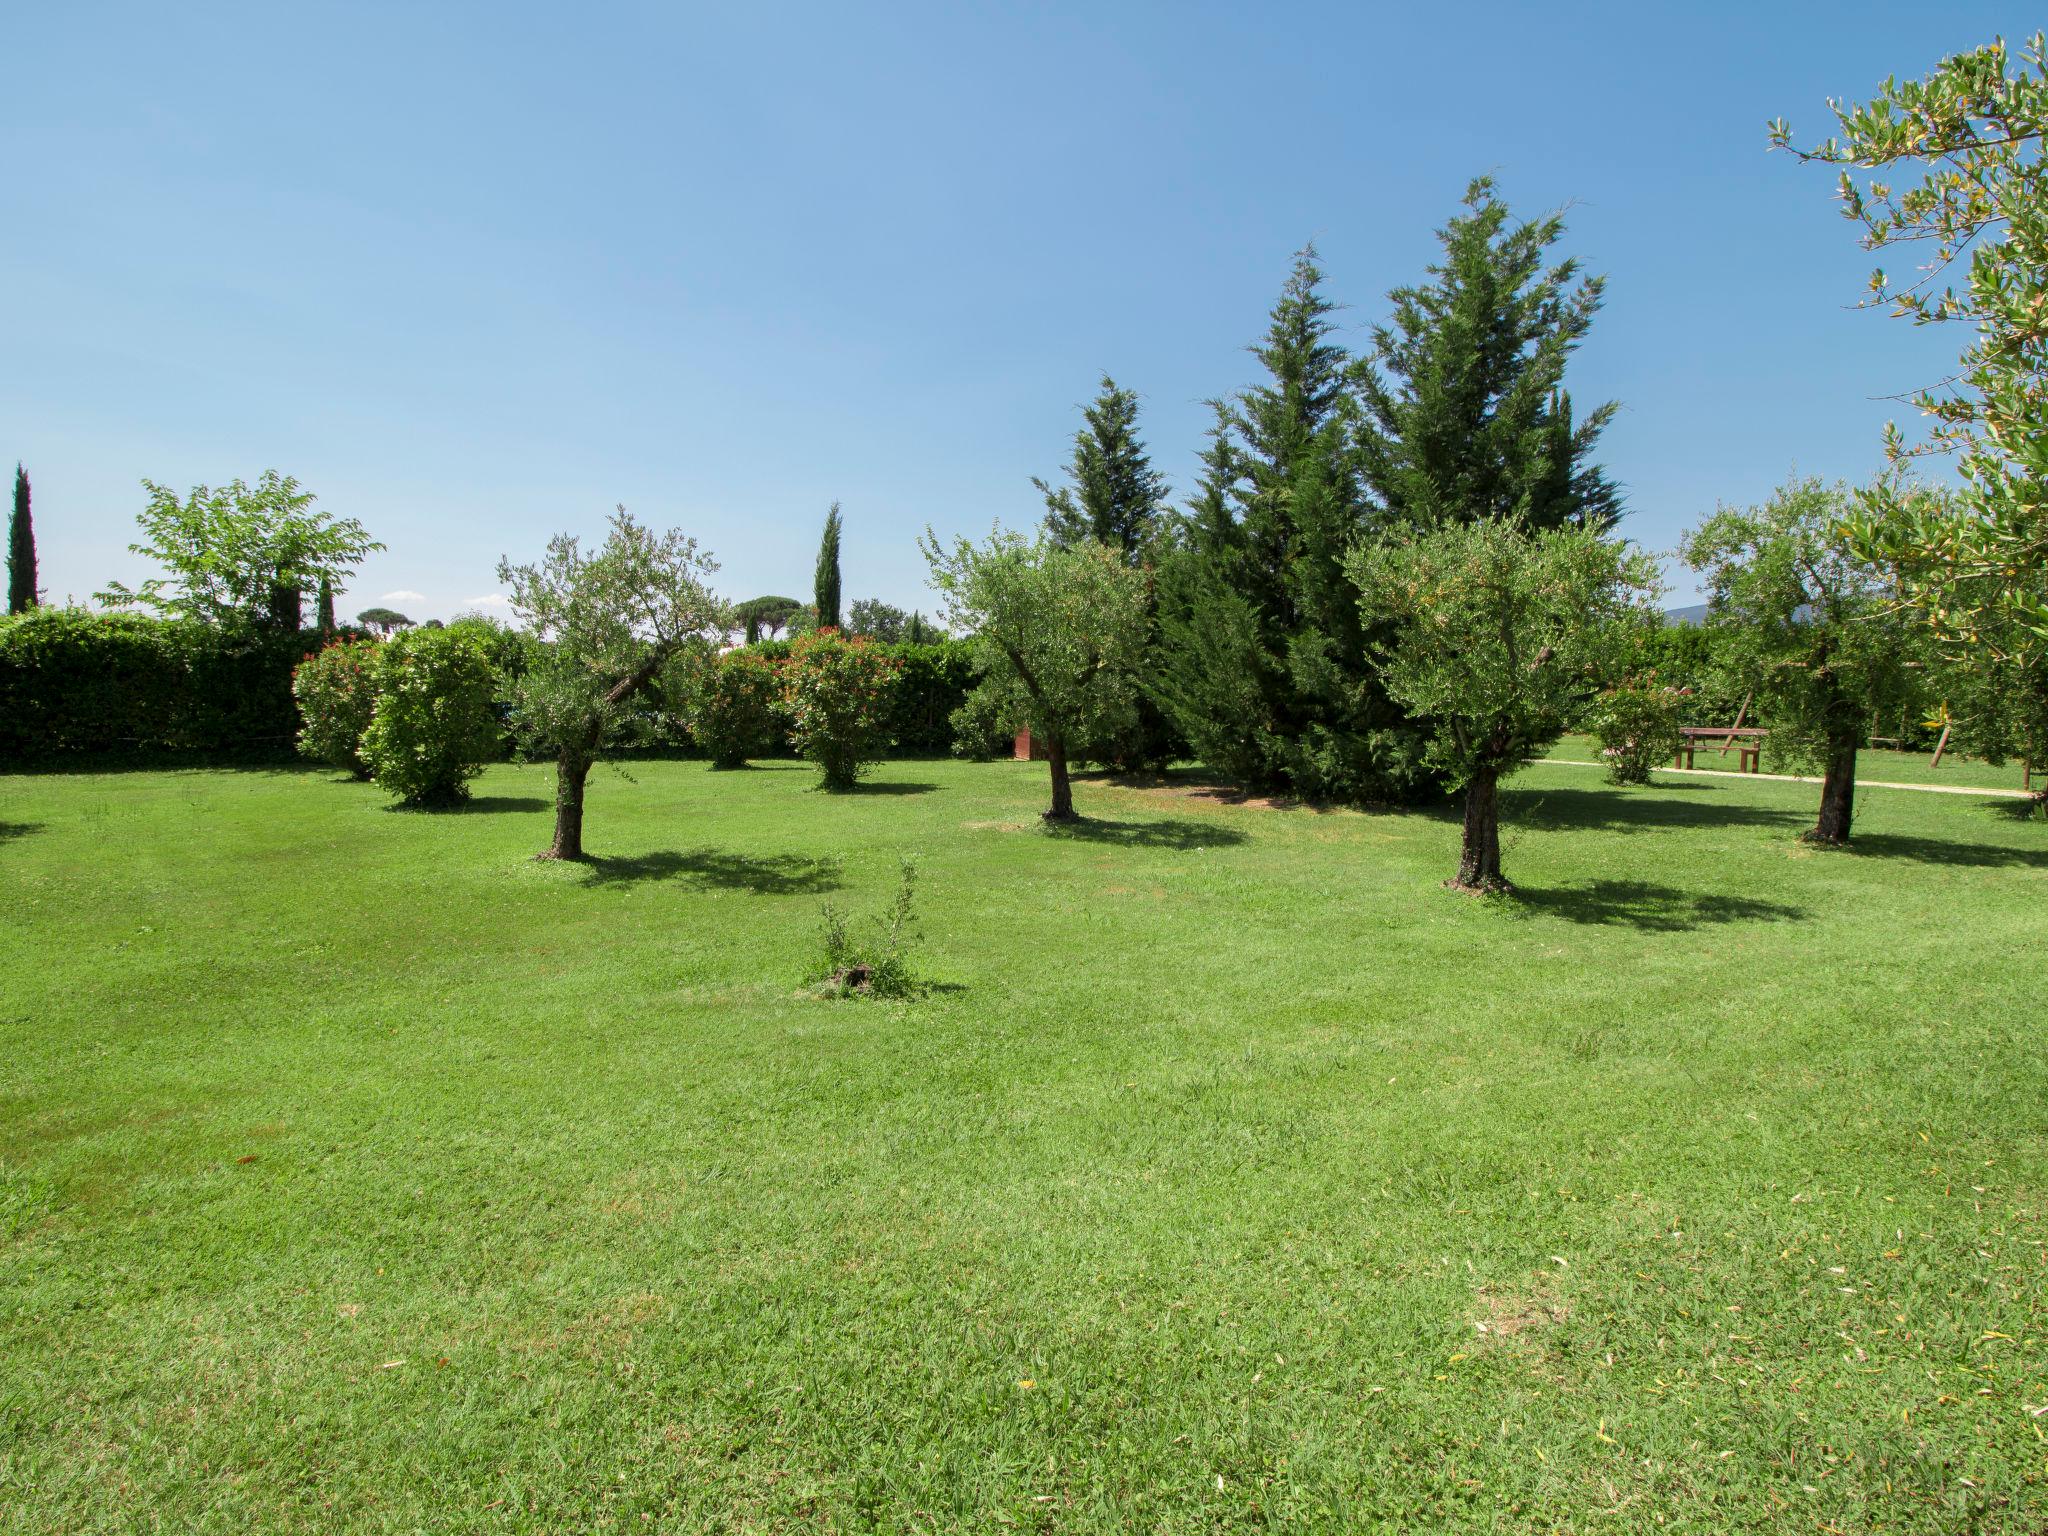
1062	786
1837	793
572	768
1479	863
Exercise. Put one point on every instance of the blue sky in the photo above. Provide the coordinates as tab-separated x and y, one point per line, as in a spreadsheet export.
475	273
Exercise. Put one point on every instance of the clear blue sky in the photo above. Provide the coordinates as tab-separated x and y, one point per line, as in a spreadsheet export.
475	273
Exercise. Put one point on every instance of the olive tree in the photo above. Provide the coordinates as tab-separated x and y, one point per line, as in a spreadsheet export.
1490	636
1950	169
1058	633
608	622
1811	627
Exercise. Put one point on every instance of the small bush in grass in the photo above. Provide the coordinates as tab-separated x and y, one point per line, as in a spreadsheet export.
337	691
435	723
836	691
850	965
1636	722
731	702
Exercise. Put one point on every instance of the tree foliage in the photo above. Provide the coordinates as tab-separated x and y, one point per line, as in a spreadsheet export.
825	587
837	692
608	622
21	549
1058	632
1492	634
1951	168
731	703
239	553
1264	664
385	621
1465	412
1113	496
764	616
434	724
877	620
1807	625
336	690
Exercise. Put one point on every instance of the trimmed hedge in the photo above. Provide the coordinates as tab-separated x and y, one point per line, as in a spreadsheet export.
76	684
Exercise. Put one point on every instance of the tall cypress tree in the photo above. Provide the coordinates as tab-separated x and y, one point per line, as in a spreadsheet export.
1116	497
21	549
1465	414
326	603
826	589
1265	667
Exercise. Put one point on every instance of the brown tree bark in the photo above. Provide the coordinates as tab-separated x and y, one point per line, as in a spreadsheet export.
1062	786
1479	863
571	770
1837	793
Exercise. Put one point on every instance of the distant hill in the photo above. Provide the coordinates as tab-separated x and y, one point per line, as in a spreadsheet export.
1695	614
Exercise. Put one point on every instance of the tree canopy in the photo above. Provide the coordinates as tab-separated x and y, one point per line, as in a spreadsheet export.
1490	633
1058	631
825	590
1808	626
1113	496
239	553
1465	412
1951	169
609	621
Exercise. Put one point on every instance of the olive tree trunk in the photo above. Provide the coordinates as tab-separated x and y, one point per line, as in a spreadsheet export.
1479	862
1062	786
1837	793
572	768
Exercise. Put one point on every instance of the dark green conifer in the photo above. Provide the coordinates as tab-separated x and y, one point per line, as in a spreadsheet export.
21	549
1465	415
827	584
1115	497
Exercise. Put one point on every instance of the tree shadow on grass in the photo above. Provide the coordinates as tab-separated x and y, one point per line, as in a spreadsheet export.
11	830
1651	908
780	874
1626	810
488	805
1170	833
887	787
1935	850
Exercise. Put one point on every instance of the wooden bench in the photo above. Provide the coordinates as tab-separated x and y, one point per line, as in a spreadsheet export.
1747	741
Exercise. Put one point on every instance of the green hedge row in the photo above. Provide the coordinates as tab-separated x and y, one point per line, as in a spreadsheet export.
76	685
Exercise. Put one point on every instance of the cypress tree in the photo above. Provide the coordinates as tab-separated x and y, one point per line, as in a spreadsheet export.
1465	415
826	589
1265	666
326	603
21	549
1116	497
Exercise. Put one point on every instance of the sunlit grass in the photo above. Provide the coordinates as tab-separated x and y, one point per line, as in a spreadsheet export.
361	1174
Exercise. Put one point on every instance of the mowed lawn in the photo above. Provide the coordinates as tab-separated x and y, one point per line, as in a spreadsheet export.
358	1173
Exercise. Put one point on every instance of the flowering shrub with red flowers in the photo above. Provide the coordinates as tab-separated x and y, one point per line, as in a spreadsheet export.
336	689
836	692
1636	722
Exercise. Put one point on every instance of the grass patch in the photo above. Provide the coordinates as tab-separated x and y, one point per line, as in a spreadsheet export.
359	1173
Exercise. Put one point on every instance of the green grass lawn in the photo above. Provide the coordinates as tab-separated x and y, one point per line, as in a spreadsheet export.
1881	764
358	1173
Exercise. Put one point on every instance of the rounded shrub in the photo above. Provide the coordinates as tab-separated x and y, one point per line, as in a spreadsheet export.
1636	723
836	691
435	723
336	689
731	704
